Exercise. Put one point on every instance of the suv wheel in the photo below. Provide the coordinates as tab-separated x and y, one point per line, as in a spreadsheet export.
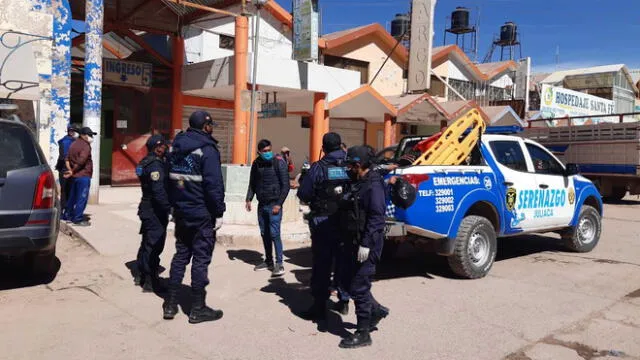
41	264
586	234
475	248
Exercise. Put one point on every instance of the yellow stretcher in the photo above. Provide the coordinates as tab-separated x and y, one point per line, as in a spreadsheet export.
452	148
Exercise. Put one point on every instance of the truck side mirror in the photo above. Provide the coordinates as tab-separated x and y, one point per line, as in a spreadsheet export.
572	169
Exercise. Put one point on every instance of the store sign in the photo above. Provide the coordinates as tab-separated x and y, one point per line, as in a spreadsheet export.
127	73
305	30
273	110
559	102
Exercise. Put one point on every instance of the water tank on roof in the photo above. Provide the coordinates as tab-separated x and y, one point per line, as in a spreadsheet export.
508	33
459	19
400	25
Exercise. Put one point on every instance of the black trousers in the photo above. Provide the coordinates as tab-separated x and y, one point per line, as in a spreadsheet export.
154	235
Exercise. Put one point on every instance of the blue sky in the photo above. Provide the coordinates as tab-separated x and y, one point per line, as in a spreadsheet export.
587	32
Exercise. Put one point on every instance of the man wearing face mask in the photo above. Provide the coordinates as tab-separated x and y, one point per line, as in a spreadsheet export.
269	181
322	188
366	211
196	192
80	164
154	212
63	149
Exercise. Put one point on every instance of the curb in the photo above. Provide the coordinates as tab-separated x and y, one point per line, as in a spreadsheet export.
71	232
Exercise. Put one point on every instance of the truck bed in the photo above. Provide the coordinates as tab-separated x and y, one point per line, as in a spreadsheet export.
603	148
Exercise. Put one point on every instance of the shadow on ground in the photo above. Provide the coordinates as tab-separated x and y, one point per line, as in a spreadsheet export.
16	274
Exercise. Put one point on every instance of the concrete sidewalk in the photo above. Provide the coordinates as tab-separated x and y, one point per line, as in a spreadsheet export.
115	226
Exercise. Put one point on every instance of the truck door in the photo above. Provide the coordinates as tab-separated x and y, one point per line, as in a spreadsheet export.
518	182
554	201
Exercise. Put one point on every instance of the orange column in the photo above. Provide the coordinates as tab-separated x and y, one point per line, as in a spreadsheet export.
388	130
319	126
240	117
176	90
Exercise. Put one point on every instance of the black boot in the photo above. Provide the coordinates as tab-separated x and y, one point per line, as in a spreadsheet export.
317	311
361	338
377	315
342	307
170	305
200	312
153	284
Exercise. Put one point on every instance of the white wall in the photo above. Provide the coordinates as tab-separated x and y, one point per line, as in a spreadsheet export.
286	132
503	81
203	45
389	82
455	72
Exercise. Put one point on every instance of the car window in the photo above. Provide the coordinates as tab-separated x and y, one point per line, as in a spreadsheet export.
509	153
16	148
543	162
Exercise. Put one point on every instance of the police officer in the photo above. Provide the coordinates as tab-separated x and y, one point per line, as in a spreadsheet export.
367	214
322	188
196	190
63	150
154	212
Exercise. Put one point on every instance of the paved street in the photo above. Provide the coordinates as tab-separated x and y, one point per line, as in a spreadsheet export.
538	303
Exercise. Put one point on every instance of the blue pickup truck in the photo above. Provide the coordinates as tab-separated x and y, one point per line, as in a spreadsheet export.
509	186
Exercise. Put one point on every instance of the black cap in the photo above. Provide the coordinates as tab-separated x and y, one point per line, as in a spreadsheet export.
359	154
331	142
87	131
199	119
155	140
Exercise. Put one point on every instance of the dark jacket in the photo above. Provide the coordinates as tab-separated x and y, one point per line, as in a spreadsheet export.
63	149
315	176
79	157
372	202
152	172
196	187
269	181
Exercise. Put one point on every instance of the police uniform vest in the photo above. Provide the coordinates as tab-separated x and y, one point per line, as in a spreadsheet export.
146	176
327	193
352	216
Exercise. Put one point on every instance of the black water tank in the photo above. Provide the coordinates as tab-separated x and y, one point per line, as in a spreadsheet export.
400	25
508	33
460	19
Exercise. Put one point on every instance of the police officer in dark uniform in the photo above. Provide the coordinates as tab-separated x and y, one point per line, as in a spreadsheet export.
322	188
154	212
196	190
365	209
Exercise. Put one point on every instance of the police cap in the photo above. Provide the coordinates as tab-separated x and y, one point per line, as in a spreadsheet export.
360	155
199	119
154	141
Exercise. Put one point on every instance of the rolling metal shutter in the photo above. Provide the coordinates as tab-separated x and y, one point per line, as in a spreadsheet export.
223	132
351	131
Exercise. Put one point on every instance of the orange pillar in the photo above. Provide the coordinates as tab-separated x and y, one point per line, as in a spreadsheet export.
319	126
176	89
240	117
252	142
388	130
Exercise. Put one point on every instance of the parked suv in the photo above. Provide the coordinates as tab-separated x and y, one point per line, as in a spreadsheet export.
29	209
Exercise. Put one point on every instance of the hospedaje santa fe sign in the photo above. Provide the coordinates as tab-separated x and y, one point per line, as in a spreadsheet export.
557	102
126	73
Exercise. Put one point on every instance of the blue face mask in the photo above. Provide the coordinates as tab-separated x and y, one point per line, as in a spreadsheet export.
268	156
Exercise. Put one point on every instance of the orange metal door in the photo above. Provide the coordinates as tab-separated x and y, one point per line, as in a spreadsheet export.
137	115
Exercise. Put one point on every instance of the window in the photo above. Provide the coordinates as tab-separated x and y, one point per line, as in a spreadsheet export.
227	42
349	64
543	162
17	149
509	154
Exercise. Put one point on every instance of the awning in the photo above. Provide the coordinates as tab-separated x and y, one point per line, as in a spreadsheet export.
364	102
18	71
423	109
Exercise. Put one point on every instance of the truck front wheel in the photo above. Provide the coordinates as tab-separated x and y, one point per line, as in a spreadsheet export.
475	248
586	234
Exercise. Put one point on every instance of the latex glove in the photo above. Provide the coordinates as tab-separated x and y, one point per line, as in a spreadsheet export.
363	254
218	224
171	219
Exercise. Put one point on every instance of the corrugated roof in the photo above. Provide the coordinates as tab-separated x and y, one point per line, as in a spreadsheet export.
182	10
559	76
